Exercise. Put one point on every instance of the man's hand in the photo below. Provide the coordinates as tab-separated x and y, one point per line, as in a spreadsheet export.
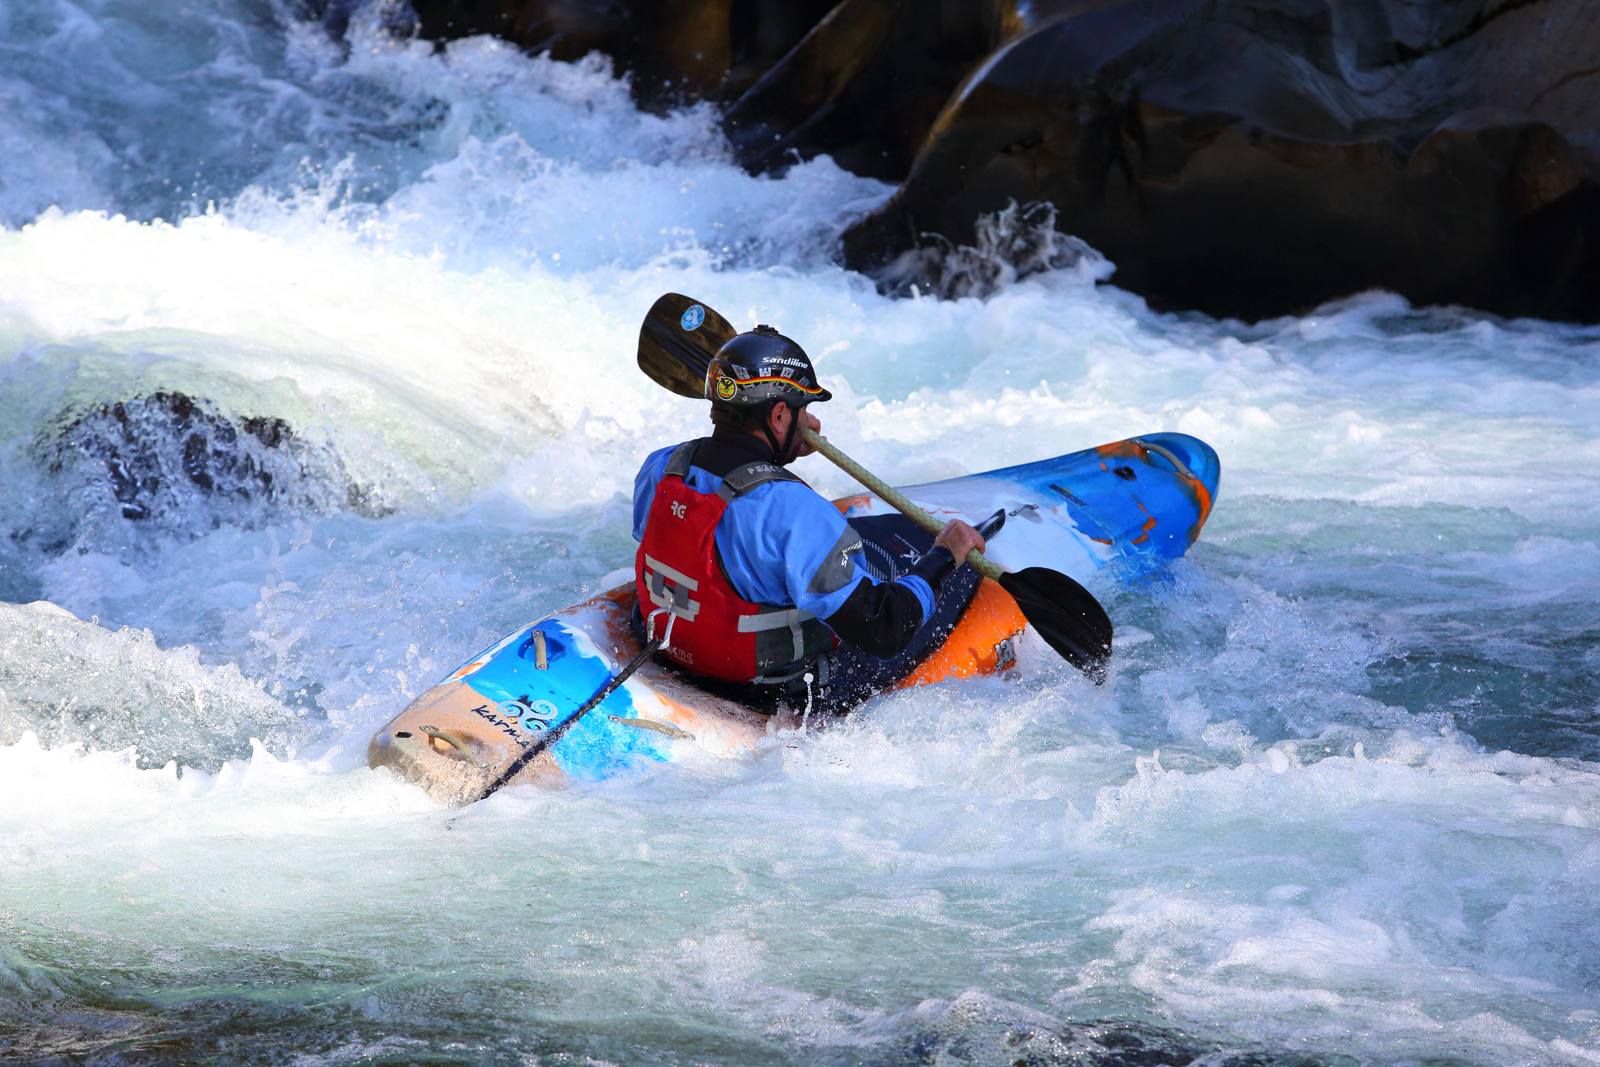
960	539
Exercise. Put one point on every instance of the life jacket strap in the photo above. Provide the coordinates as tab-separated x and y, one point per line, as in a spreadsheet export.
792	619
741	480
676	599
679	462
735	483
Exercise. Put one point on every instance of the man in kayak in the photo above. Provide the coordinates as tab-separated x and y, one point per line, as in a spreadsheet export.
755	571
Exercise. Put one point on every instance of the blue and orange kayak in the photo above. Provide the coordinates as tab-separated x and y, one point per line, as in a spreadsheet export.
1136	503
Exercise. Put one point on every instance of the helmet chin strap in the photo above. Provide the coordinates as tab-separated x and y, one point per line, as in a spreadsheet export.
791	440
766	431
784	455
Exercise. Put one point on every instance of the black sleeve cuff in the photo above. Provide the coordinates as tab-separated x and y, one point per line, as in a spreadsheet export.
934	566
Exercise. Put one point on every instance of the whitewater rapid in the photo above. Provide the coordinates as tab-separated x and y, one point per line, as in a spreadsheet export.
1338	803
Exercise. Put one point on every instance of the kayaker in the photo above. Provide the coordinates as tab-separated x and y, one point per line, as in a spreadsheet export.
759	570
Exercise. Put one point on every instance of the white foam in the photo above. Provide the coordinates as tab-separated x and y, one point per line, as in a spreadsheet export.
1271	828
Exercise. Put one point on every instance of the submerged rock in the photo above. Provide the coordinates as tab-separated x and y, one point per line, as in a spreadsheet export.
72	682
170	466
979	1028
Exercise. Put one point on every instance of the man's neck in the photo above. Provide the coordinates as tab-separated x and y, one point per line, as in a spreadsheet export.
728	449
744	442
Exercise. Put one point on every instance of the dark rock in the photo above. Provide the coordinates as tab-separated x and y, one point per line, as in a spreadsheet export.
866	84
151	446
675	49
1240	157
861	81
1258	157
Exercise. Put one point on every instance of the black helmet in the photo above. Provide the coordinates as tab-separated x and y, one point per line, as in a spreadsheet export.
755	369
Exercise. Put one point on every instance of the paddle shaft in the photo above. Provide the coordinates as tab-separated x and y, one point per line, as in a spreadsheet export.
895	499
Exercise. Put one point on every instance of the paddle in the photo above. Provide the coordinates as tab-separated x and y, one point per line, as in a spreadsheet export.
676	343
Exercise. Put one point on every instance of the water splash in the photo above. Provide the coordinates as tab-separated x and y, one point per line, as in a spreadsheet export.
1283	829
1016	242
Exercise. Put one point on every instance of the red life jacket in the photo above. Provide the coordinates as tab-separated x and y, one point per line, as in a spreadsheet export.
716	631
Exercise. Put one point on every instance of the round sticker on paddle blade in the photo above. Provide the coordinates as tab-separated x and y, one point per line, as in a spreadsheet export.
693	317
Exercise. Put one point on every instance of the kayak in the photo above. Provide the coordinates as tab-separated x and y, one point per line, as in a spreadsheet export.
1135	504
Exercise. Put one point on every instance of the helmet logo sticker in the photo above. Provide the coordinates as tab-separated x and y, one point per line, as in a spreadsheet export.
693	317
726	387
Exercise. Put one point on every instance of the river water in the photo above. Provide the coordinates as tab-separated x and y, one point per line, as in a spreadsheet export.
317	376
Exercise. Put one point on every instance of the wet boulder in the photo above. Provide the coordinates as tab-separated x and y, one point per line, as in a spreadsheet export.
1257	157
1241	157
675	50
860	80
866	84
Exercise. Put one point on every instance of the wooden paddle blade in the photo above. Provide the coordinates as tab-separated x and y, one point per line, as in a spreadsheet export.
677	341
1066	615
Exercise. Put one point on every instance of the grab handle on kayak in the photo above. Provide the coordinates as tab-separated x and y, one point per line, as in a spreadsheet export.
657	727
1166	454
436	734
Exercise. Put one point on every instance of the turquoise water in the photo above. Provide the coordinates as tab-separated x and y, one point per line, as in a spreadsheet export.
1337	804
